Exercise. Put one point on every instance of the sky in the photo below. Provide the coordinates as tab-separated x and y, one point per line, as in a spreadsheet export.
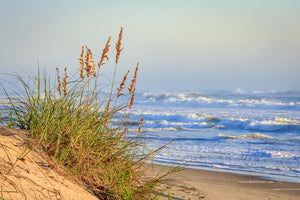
180	44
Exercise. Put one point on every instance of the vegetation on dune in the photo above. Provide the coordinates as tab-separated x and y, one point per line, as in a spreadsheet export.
78	129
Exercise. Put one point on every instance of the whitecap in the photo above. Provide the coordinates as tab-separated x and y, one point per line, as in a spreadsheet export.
239	91
276	121
254	135
281	154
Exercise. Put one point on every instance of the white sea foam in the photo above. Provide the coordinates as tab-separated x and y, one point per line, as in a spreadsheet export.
213	100
254	135
195	119
165	129
239	91
282	154
284	121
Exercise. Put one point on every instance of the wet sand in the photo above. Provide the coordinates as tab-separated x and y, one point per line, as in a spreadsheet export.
214	185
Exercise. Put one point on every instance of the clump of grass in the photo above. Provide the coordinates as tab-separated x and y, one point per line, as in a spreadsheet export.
77	129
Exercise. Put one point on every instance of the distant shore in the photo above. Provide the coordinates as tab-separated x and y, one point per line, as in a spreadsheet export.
214	185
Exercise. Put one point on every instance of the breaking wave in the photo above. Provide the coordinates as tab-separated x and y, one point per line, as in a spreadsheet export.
220	100
250	136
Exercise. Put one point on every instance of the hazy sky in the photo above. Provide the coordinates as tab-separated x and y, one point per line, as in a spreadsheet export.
180	45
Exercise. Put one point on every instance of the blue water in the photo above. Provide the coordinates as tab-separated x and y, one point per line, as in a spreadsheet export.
254	132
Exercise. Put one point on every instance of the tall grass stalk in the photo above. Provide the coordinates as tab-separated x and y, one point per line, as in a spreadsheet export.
77	130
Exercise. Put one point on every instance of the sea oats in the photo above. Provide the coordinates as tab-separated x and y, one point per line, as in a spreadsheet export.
118	45
104	53
65	82
59	82
122	85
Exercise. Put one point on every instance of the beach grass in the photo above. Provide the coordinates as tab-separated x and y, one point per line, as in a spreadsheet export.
76	126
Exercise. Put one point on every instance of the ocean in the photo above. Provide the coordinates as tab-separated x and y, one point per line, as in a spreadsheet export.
254	132
246	132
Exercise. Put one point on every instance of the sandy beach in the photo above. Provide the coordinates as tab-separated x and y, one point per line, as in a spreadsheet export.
33	177
214	185
29	175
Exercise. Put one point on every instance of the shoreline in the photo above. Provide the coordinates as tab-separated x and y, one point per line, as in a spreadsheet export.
216	185
269	177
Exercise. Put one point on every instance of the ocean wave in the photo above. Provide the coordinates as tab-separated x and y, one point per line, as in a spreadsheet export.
278	121
282	154
193	120
278	124
165	129
250	136
229	100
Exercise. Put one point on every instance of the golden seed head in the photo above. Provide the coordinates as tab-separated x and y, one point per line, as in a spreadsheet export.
81	60
132	98
122	85
89	63
140	126
118	45
133	81
104	53
65	82
58	80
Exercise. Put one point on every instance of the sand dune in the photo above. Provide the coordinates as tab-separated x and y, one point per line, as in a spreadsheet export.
29	175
